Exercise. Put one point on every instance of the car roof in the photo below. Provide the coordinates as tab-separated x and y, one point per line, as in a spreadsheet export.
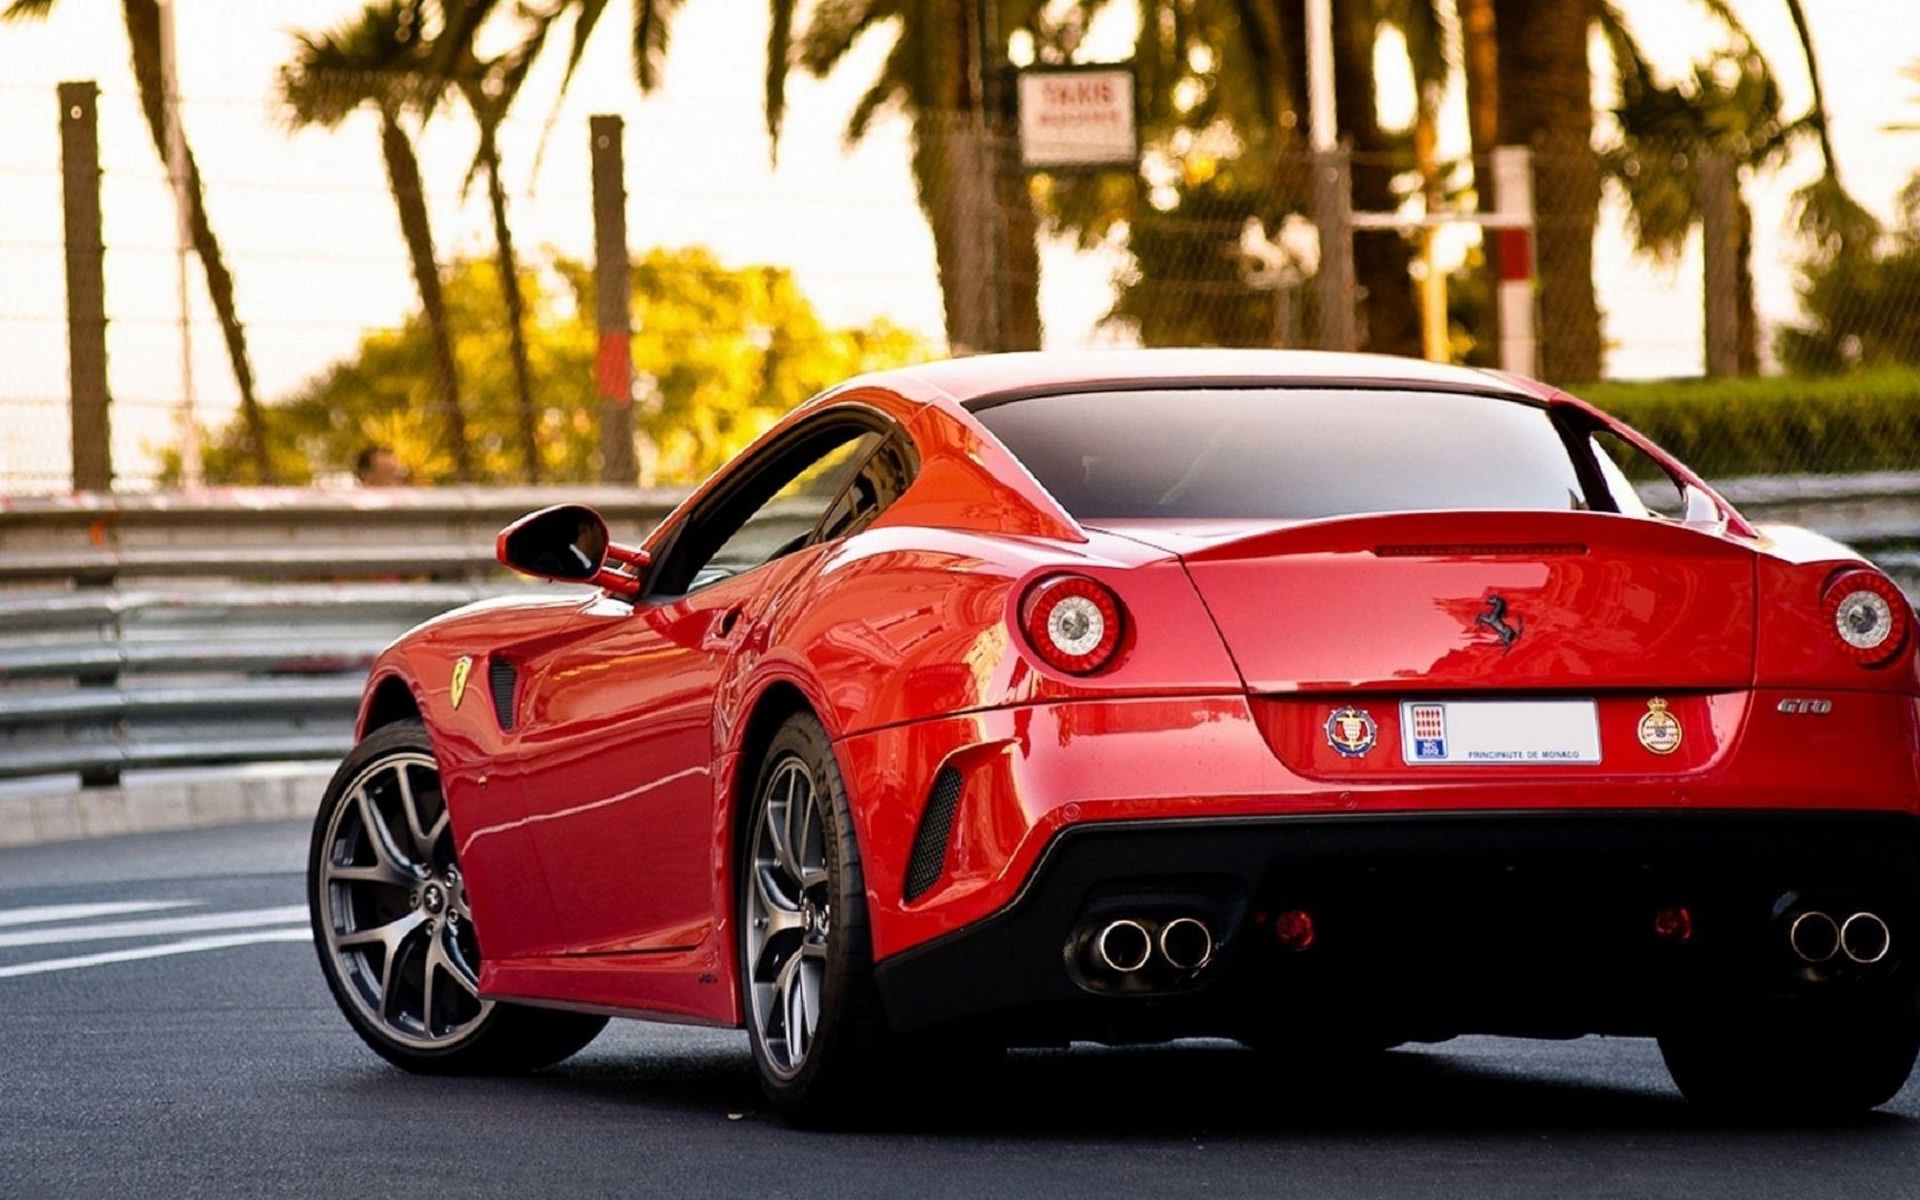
979	380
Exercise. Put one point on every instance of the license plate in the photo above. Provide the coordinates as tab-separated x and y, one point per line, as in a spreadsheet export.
1493	733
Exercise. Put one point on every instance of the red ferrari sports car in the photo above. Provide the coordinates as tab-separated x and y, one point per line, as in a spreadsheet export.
1308	700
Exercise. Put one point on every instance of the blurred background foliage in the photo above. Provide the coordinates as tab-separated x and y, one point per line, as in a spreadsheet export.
722	353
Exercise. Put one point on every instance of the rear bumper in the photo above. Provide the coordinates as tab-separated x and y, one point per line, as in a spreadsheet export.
1018	778
1430	925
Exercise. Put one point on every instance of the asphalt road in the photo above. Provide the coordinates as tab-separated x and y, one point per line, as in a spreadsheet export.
181	1044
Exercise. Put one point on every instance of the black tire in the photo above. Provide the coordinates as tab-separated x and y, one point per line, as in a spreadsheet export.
401	908
803	916
1788	1070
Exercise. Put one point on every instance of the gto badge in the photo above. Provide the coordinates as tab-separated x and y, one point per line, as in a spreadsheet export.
1351	731
1818	708
461	669
1495	619
1659	730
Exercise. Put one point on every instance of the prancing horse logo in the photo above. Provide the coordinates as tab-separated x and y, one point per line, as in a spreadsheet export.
1495	618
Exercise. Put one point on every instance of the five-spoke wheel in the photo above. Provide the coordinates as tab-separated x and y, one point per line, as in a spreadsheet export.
789	916
393	910
806	954
396	937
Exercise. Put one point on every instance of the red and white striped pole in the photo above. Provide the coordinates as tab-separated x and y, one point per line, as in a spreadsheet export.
1514	290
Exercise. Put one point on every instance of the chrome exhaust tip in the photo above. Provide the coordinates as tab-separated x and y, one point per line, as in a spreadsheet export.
1186	944
1814	936
1865	938
1123	946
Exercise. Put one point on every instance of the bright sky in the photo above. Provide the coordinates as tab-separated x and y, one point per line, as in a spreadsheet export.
311	236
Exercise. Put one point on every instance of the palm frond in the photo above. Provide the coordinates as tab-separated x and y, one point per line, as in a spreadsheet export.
27	10
651	19
372	58
779	59
884	92
834	28
584	21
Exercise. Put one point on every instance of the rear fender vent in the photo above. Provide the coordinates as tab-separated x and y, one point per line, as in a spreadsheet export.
929	860
502	676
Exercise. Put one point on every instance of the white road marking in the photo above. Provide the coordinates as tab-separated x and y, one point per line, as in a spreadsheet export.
191	946
80	912
200	923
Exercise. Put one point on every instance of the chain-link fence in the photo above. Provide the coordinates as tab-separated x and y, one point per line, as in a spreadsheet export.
928	237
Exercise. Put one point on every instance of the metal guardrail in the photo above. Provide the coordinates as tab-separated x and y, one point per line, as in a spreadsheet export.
147	631
144	631
275	533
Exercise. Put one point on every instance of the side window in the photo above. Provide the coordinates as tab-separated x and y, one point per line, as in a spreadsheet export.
885	475
772	510
1640	486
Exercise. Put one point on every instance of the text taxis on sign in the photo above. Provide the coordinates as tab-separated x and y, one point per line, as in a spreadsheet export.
1077	118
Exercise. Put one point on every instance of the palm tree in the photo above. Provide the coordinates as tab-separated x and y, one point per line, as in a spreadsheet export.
489	90
1729	109
142	19
934	74
1828	214
490	87
1381	259
372	61
1545	102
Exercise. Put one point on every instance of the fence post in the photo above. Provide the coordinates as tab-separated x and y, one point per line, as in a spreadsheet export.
1333	215
1514	291
613	302
86	287
1720	245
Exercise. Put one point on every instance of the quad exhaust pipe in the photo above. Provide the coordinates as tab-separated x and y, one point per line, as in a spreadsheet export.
1817	937
1865	938
1125	946
1186	944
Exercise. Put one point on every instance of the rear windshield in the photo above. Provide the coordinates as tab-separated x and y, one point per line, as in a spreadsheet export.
1286	453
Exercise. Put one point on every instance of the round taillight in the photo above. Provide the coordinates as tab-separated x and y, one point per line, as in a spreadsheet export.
1870	616
1072	623
1294	929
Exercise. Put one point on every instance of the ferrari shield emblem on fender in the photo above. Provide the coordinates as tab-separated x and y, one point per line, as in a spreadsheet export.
1351	731
457	691
1659	730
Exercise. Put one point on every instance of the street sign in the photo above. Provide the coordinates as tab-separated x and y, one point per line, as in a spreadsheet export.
1077	118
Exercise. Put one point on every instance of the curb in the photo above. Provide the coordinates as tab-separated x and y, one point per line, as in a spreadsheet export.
37	811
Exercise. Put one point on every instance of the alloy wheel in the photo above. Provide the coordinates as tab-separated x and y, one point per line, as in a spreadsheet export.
394	907
789	916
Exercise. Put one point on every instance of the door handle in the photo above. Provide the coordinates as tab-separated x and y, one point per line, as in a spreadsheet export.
720	632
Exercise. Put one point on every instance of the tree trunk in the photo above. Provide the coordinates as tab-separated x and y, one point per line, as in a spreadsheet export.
403	175
509	268
142	19
1480	52
951	171
1546	102
1747	307
1018	296
1381	258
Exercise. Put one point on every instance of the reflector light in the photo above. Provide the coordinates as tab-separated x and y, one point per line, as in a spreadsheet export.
1072	622
1870	616
1294	929
1673	924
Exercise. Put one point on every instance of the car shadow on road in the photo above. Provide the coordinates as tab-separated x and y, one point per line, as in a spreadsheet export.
1196	1088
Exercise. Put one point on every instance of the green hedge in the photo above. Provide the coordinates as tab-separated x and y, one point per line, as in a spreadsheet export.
1728	427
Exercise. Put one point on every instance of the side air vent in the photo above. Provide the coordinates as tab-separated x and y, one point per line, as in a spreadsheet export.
929	859
501	678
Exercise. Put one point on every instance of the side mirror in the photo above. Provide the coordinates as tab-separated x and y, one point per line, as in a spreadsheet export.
1702	512
569	543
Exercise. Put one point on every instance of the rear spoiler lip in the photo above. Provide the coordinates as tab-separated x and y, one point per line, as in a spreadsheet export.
1463	533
